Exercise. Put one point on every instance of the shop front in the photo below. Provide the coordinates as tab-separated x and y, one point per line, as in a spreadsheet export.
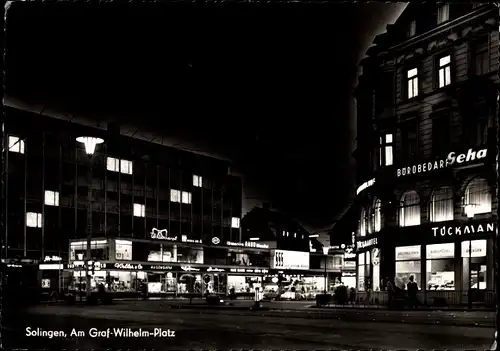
368	264
451	259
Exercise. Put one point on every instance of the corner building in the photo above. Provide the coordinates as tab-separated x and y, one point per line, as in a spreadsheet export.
158	215
426	151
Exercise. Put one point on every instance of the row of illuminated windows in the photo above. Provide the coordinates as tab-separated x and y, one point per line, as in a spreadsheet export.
34	219
477	200
112	164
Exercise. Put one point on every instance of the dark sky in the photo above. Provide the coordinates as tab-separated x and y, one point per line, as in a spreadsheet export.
268	86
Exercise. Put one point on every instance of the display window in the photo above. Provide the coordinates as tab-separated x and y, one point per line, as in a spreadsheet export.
364	271
186	254
408	263
243	284
189	284
162	283
215	283
99	250
440	267
163	254
123	250
478	264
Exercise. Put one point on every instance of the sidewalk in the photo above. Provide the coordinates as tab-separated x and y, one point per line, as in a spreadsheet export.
419	308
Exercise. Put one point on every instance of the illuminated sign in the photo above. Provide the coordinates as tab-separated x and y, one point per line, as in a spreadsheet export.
45	283
189	269
251	244
128	266
48	266
215	240
52	258
463	229
248	270
440	251
185	239
161	234
282	259
159	268
408	253
478	248
12	265
362	244
210	269
348	274
365	185
440	164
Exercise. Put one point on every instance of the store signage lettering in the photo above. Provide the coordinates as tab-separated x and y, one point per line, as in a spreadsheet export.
365	185
408	252
210	269
185	239
161	268
161	234
128	266
366	243
246	270
463	229
12	265
290	259
52	258
348	274
478	248
189	269
251	244
452	158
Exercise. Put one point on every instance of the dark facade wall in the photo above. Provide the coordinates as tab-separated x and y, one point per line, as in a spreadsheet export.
54	161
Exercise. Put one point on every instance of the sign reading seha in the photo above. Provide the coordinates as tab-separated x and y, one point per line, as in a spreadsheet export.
289	259
466	229
362	244
451	160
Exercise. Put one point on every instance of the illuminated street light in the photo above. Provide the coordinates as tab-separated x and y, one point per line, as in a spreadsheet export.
90	143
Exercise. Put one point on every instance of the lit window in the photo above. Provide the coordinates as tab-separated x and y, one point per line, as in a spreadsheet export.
235	223
412	78
386	143
175	195
363	223
443	13
409	211
139	210
51	198
478	197
442	205
16	144
377	216
117	165
33	220
412	29
197	181
186	197
444	71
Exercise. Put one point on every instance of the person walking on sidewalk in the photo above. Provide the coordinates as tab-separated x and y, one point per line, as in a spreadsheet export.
390	292
412	288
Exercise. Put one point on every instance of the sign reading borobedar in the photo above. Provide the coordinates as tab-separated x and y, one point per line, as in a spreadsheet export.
452	159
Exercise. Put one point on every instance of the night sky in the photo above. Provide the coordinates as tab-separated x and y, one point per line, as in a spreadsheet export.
268	86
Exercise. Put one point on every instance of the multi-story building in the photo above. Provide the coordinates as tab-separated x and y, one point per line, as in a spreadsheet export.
152	209
426	151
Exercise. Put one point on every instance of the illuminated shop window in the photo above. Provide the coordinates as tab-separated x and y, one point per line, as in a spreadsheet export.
175	195
16	144
377	215
412	79
51	198
139	210
235	222
444	73
33	220
477	197
440	267
441	208
409	210
117	165
197	181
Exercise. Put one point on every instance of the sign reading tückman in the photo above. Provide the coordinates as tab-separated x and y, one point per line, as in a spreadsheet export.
452	159
463	229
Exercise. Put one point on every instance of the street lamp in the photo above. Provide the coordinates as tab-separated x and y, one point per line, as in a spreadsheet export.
325	252
90	144
470	211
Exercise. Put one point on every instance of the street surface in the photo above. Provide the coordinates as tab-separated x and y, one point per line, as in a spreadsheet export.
296	327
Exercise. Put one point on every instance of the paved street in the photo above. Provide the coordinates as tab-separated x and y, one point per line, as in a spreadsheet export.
229	328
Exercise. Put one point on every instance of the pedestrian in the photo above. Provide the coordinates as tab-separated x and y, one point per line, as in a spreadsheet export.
145	291
232	293
390	292
352	296
412	288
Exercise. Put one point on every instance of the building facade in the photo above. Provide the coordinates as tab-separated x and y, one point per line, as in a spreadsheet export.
426	151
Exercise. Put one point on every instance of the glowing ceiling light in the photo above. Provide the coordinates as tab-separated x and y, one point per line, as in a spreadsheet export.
90	143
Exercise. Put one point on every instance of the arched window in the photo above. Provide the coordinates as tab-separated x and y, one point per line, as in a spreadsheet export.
478	197
409	210
363	222
442	205
377	215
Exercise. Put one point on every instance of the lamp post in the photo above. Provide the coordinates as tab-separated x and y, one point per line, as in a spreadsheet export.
470	211
325	252
90	144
